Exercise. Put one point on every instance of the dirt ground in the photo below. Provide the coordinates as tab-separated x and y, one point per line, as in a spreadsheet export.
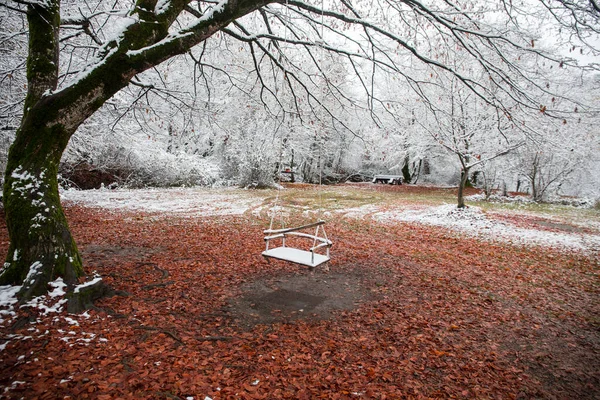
307	295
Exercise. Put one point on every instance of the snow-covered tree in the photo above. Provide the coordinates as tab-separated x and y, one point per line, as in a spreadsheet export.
469	129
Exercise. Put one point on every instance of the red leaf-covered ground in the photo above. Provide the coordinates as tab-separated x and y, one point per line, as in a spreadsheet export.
405	311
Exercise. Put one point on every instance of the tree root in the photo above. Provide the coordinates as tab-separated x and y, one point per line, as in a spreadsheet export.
214	338
164	272
166	332
156	285
85	297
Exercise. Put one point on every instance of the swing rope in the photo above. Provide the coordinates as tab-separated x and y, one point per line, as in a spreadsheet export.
319	133
281	142
310	257
276	203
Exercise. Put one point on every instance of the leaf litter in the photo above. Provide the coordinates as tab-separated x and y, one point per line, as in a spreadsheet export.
406	310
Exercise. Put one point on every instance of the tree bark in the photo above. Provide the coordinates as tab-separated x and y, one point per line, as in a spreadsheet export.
41	246
534	177
464	176
293	178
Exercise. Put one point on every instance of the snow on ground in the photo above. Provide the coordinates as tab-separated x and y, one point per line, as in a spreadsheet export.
360	212
473	222
8	298
225	201
51	305
192	201
565	201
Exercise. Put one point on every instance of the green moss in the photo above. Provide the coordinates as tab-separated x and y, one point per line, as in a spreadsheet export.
42	63
11	275
36	222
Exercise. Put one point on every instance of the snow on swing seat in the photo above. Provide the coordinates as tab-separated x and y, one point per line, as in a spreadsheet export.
310	257
297	256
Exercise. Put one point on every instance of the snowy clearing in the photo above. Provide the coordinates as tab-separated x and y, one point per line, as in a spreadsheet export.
472	221
181	201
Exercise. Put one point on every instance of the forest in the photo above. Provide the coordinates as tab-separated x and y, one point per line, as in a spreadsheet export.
146	145
225	113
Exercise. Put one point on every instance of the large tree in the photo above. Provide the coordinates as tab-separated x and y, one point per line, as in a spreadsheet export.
41	245
126	38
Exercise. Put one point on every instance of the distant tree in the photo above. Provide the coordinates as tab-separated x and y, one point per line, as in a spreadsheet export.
471	130
562	151
544	170
489	178
546	167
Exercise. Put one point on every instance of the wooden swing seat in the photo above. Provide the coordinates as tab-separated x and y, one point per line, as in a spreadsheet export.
296	256
310	257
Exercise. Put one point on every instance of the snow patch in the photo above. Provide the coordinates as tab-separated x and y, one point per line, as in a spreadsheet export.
21	175
14	385
565	201
34	271
8	298
183	201
86	284
162	6
120	26
473	222
24	182
360	212
58	288
220	7
47	304
169	38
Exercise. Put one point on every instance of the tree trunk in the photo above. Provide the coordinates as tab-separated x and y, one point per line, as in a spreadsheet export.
464	175
406	170
41	247
417	172
534	177
293	178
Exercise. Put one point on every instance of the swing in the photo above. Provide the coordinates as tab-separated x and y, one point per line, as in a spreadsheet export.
308	257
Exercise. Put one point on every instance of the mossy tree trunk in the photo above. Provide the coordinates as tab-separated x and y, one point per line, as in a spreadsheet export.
42	248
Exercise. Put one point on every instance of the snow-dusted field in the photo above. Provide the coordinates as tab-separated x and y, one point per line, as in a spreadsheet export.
471	221
181	201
